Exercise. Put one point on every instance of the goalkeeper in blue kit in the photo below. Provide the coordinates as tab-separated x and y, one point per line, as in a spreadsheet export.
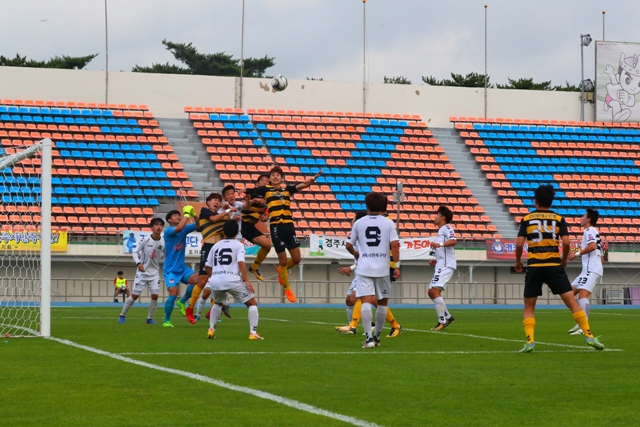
175	269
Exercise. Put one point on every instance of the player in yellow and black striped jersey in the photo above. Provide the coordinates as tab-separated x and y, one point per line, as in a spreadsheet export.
254	211
283	233
543	228
210	223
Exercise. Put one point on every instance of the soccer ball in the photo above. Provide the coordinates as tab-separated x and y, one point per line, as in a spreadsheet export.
279	83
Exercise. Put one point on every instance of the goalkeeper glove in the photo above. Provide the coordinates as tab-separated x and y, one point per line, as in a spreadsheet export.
189	212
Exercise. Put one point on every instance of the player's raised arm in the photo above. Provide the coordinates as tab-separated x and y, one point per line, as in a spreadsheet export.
309	181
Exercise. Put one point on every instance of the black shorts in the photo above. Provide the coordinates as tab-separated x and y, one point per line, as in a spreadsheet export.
284	237
391	270
554	276
204	254
250	232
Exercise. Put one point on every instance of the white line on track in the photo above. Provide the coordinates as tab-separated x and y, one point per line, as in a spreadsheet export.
250	353
453	334
257	393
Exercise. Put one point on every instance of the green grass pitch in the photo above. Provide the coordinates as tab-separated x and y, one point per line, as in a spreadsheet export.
468	375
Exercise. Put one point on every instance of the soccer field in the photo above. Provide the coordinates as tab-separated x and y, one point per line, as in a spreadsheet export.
96	372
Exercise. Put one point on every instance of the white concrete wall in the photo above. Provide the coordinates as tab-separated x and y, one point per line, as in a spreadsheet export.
167	95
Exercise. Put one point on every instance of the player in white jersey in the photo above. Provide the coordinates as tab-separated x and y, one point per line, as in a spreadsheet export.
354	305
228	274
592	260
375	235
445	265
147	255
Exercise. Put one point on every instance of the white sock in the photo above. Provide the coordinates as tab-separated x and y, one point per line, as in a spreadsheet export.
349	314
253	319
200	306
584	304
127	305
215	315
381	316
152	308
441	308
366	316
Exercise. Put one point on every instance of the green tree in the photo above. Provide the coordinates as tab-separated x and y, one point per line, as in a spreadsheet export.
400	80
470	80
207	64
526	84
64	61
567	88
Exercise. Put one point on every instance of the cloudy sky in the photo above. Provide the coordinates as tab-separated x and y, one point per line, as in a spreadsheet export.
324	38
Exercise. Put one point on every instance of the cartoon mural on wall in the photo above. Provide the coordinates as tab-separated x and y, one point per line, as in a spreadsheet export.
617	81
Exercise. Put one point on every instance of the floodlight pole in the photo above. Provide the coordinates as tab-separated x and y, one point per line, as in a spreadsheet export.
364	56
585	40
603	12
485	61
581	79
106	69
241	59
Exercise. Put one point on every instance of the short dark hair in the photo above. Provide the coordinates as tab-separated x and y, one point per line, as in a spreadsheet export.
170	214
544	195
214	196
593	216
230	228
120	273
446	213
155	221
277	169
262	175
376	202
227	188
360	214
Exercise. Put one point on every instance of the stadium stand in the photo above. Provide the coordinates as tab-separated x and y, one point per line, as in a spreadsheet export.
359	153
111	163
591	164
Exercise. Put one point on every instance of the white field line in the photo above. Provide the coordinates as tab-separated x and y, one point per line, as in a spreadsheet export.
331	353
452	333
257	393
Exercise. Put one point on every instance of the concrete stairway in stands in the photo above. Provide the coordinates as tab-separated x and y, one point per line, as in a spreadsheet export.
192	154
470	172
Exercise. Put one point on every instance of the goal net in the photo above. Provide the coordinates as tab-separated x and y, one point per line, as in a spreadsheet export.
25	257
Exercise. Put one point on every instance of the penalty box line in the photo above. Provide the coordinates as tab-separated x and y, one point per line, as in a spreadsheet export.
452	333
246	390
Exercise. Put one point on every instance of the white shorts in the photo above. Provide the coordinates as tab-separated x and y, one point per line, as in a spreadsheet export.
441	277
352	287
240	293
586	281
378	286
140	283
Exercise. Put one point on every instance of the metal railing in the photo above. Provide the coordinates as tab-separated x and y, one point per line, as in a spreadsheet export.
323	292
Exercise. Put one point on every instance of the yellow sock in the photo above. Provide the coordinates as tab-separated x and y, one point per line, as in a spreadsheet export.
355	317
529	325
290	264
391	319
581	319
284	276
195	294
260	256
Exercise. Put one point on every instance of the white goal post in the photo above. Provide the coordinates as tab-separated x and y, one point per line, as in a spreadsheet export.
25	268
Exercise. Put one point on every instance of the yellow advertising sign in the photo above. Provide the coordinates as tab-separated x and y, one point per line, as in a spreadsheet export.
30	240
